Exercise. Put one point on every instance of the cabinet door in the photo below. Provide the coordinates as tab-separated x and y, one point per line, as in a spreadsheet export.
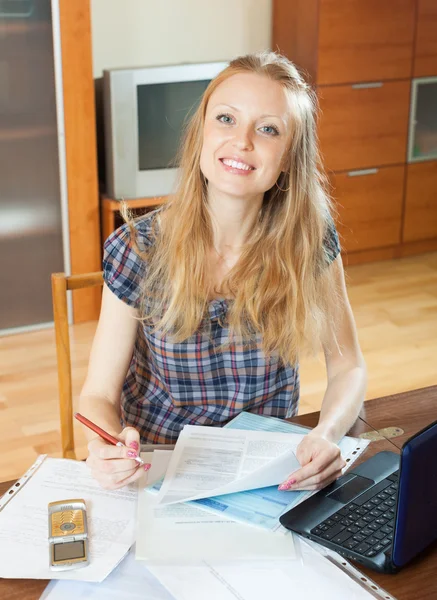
369	205
363	127
365	40
420	222
425	55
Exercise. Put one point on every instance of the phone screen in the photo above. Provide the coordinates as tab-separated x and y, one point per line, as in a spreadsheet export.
69	551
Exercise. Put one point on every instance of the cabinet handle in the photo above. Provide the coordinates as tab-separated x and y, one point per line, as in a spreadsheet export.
362	172
363	86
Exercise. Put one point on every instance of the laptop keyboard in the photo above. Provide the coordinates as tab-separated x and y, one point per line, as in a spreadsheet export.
366	524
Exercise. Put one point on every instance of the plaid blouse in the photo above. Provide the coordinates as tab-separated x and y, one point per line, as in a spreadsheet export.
168	384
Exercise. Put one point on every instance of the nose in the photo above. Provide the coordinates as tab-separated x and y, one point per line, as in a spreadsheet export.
243	138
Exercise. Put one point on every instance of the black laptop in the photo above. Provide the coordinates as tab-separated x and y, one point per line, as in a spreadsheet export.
381	514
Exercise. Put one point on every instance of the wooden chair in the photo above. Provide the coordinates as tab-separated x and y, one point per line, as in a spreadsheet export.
60	285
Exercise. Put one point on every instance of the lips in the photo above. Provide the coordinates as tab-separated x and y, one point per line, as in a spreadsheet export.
237	164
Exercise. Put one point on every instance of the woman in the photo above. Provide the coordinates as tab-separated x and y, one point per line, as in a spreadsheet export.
209	301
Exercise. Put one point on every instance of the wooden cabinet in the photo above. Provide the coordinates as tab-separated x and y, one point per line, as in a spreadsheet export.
420	221
369	204
361	57
365	41
341	42
425	55
364	127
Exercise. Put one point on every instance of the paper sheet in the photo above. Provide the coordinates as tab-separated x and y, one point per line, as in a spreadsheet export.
263	507
310	575
24	522
131	580
209	461
191	533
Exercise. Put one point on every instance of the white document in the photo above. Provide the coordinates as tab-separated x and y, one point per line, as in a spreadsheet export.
209	461
182	532
24	545
131	580
309	576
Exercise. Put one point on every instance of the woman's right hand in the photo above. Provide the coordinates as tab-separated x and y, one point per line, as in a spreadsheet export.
114	466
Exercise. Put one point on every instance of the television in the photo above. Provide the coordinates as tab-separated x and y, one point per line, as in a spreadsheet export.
144	113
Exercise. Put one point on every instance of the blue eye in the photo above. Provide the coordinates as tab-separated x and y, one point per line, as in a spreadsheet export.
224	118
272	129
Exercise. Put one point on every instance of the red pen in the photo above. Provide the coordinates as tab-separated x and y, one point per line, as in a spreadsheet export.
103	434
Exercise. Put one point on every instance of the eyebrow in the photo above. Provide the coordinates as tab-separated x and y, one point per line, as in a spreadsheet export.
238	110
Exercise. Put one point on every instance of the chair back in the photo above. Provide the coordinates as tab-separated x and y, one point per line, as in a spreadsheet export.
61	284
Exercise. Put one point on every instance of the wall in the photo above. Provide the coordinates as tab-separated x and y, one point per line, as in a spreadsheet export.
130	33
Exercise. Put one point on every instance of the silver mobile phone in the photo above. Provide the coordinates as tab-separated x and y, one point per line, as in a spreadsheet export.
68	535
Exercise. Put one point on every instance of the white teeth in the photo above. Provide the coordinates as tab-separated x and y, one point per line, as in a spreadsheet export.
236	165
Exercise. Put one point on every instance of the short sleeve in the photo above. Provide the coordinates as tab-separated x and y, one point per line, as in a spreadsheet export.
123	267
331	242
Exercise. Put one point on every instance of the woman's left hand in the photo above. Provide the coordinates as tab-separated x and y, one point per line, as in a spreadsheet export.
321	464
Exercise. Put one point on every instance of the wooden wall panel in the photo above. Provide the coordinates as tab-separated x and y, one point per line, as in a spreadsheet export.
365	41
425	56
81	150
369	208
420	221
295	33
361	128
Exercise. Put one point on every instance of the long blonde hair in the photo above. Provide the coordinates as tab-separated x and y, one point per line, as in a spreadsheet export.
282	292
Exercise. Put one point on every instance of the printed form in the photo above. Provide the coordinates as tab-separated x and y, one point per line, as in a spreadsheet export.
191	533
263	506
209	461
24	522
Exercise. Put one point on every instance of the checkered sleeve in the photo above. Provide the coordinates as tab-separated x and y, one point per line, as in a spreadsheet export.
123	268
331	243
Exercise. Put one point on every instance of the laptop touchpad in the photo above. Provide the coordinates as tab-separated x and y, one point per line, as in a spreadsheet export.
351	489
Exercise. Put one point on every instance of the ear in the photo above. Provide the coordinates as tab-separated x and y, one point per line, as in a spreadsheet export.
286	161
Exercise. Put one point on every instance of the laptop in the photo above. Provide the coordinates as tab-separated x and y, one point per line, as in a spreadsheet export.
381	514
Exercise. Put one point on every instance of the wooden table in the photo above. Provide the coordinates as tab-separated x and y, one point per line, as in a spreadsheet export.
410	411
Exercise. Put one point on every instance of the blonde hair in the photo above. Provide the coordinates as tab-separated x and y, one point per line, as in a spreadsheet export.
282	291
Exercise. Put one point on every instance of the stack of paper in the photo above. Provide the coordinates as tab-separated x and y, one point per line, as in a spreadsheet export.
234	472
24	521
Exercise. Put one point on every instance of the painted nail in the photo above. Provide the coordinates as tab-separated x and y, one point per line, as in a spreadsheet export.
134	445
147	466
284	487
132	454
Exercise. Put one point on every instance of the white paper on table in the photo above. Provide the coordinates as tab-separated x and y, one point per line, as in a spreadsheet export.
310	575
210	461
181	532
131	580
24	522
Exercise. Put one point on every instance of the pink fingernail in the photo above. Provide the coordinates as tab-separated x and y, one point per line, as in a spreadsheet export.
134	445
284	487
292	481
132	454
147	466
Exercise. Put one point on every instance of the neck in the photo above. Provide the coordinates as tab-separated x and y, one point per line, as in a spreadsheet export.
233	217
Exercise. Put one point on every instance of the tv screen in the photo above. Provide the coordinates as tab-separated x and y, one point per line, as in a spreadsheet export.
163	110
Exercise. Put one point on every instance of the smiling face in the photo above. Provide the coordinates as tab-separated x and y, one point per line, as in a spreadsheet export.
246	134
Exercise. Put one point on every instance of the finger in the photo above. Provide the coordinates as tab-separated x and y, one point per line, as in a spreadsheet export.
130	438
112	467
141	472
319	478
101	449
119	480
317	465
322	484
311	474
111	480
